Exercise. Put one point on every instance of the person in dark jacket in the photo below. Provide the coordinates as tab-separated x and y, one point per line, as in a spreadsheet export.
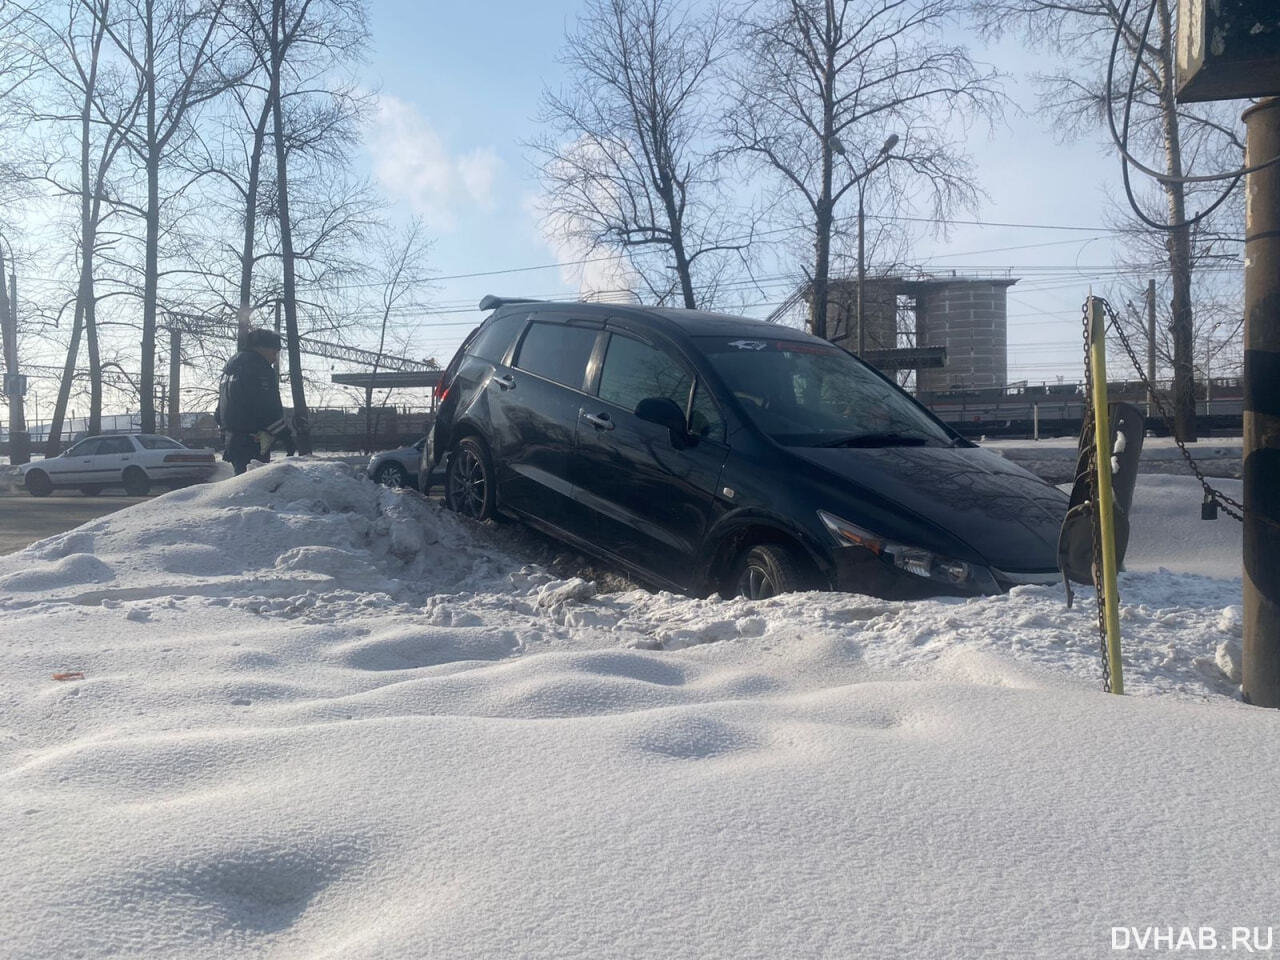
249	408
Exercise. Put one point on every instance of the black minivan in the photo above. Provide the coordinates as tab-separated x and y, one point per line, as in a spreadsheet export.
707	452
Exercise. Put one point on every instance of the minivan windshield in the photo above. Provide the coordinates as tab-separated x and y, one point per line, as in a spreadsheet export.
807	394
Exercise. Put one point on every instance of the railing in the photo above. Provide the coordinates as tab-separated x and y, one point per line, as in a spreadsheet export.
332	428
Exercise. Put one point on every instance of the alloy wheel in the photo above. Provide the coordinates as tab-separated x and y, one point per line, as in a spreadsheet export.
468	483
756	584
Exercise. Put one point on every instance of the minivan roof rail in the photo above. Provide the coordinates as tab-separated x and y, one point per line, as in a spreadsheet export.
490	302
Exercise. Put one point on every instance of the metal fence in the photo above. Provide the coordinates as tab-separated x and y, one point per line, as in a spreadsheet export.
332	428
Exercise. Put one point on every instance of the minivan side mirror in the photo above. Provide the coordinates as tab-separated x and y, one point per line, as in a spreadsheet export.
665	413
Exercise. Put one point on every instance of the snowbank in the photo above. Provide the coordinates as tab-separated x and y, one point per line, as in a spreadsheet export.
321	718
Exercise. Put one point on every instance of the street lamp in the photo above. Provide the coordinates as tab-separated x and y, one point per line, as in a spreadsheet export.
881	157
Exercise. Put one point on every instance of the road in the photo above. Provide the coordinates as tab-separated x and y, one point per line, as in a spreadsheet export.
25	519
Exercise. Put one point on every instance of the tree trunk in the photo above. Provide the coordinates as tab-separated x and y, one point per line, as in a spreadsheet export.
824	208
683	270
90	212
251	216
95	361
151	263
301	428
1178	244
174	420
53	443
821	270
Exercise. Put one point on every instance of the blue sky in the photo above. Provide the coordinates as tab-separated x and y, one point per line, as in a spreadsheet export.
460	91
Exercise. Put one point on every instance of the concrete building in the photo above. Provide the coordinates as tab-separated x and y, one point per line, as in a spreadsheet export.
966	316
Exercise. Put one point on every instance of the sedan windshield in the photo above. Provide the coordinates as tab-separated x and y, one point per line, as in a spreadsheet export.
806	394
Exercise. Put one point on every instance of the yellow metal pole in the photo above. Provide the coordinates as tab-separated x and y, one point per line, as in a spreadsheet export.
1106	501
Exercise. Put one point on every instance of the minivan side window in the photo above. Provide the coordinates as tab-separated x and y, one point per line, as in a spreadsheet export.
493	340
634	371
558	352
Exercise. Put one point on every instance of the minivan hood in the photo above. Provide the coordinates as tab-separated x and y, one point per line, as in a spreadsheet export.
1007	515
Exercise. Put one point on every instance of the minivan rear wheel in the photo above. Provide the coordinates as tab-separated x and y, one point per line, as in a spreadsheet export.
767	570
468	481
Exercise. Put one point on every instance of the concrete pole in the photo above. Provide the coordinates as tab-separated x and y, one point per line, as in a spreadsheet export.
1261	660
175	383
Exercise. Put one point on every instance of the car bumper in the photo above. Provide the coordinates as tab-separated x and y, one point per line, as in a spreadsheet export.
861	571
184	472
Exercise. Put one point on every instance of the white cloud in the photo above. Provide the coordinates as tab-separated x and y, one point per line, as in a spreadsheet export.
413	163
602	276
477	170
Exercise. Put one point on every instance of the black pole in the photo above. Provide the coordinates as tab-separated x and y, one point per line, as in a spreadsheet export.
1261	660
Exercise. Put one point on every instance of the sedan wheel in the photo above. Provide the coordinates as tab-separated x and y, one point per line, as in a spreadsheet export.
38	483
391	475
767	570
468	483
136	482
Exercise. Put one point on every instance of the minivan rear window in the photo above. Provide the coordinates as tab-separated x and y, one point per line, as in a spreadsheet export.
558	352
495	337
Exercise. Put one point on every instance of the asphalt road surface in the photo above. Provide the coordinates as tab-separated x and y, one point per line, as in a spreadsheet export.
25	519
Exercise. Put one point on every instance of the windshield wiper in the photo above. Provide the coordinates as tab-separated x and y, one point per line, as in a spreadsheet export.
877	440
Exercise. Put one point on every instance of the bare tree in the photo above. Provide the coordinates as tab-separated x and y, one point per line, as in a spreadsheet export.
401	277
629	167
291	47
171	46
305	41
1186	138
88	107
827	86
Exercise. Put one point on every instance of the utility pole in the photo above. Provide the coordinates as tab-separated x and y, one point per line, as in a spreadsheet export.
1151	346
1261	660
14	382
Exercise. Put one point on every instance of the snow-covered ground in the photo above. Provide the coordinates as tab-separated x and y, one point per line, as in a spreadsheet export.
322	719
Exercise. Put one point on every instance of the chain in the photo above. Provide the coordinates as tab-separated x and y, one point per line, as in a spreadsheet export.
1088	430
1230	507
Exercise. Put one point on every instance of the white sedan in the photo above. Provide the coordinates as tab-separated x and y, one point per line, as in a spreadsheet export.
133	461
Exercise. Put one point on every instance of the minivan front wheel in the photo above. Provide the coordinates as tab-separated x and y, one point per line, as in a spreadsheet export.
468	483
767	570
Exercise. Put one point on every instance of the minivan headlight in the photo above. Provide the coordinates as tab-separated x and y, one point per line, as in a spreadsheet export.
914	560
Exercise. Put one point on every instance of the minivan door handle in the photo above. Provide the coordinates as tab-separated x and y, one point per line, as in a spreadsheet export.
506	383
599	421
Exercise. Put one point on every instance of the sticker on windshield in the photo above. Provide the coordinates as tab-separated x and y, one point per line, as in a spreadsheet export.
748	344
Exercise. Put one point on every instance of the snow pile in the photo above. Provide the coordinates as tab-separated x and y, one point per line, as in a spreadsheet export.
321	718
